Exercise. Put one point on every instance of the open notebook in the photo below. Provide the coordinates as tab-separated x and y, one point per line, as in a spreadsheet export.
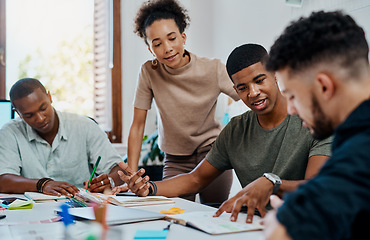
126	200
36	196
117	214
205	222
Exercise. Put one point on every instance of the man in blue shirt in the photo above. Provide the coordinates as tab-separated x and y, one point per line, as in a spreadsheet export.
322	64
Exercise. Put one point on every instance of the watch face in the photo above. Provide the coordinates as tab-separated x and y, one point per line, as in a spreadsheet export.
273	178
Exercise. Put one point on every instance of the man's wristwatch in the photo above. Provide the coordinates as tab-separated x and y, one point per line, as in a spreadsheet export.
275	179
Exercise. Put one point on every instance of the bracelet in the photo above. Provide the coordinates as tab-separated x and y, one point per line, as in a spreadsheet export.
152	192
41	182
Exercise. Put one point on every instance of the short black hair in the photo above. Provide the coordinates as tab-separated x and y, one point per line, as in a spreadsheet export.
244	56
153	10
321	37
24	87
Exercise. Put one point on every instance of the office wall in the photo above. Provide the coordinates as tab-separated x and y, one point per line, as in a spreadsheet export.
218	26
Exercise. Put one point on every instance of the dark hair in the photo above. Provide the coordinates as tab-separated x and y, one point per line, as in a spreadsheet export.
244	56
24	87
321	37
153	10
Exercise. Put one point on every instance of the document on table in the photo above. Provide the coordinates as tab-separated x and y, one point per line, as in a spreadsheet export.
139	201
133	201
36	196
205	222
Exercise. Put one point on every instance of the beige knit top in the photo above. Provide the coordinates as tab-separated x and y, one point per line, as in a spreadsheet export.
186	101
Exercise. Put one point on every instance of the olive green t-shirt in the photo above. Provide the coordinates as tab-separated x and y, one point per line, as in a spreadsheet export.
249	149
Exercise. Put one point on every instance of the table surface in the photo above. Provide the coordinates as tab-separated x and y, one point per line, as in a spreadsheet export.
17	224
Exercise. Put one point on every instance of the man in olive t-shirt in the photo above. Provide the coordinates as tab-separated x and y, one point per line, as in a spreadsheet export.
283	150
261	145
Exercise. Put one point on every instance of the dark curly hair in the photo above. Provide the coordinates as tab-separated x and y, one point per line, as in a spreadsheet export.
244	56
321	37
153	10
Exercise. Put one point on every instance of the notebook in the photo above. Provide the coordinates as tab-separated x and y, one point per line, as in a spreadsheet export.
205	222
117	214
36	196
133	201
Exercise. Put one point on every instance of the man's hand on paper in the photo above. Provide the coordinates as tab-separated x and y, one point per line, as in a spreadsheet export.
134	181
255	196
59	188
228	205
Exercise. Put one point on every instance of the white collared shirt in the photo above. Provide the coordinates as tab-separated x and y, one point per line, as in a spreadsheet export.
70	158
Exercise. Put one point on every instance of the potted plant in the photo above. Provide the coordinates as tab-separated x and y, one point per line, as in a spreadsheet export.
151	157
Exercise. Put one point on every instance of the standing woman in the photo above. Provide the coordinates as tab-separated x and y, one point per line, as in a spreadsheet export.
185	88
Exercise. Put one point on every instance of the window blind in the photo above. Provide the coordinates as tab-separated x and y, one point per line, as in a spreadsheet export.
107	68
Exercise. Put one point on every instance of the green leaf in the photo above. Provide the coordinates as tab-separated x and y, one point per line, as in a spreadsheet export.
145	159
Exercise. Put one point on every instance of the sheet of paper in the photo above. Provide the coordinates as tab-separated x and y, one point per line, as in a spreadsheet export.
117	214
21	204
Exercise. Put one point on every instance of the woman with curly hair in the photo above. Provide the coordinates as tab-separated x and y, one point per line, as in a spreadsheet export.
185	88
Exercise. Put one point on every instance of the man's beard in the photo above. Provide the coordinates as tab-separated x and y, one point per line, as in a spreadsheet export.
322	127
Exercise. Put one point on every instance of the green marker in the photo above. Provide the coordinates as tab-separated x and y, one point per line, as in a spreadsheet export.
93	172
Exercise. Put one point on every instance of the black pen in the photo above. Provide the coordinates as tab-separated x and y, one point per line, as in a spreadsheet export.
168	226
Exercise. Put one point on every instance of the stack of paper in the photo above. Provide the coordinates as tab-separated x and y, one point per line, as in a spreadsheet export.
132	201
139	201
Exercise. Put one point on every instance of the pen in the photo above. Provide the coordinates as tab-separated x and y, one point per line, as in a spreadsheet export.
93	172
168	226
